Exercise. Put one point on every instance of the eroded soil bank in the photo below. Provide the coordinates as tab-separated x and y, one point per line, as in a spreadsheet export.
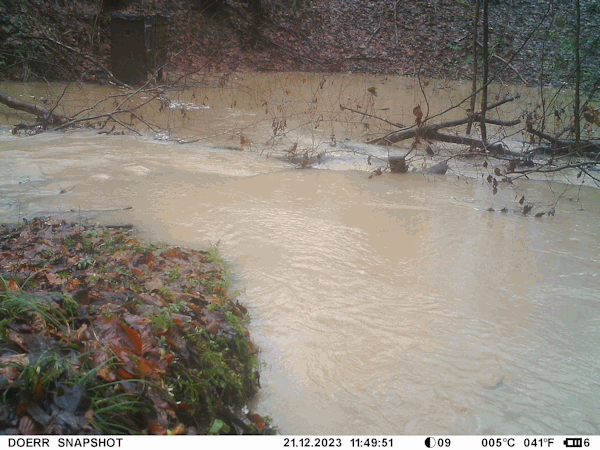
102	333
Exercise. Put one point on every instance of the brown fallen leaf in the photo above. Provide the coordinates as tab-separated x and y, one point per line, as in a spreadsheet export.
81	334
178	430
120	256
258	421
157	428
154	285
134	336
253	348
13	286
148	259
73	284
27	426
123	374
213	327
171	253
16	338
107	374
54	279
150	368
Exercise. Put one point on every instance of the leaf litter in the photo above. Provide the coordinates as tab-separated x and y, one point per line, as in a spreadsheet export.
102	333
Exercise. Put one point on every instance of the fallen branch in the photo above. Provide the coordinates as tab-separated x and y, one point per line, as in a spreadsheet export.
430	132
45	116
584	167
397	136
497	149
559	147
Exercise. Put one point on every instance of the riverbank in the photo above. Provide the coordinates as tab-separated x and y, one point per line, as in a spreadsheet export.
103	333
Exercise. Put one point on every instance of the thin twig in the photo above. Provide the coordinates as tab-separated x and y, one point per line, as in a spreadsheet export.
398	125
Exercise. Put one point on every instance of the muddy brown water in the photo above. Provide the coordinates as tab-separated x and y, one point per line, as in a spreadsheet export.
391	305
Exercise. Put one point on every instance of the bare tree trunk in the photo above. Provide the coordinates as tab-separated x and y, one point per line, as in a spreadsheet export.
486	69
46	116
577	107
475	63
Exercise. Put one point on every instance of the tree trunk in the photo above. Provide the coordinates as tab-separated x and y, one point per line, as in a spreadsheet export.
45	116
577	107
475	64
486	68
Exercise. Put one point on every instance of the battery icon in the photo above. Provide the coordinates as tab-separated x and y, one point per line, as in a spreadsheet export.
573	442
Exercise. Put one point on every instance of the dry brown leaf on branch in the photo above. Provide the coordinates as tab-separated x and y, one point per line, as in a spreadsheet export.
418	114
592	115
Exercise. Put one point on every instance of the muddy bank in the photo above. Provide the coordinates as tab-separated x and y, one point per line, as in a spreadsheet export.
102	333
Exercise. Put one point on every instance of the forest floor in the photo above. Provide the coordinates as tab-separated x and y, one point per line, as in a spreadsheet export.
103	333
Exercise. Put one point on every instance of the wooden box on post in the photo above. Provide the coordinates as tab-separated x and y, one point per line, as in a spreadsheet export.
138	46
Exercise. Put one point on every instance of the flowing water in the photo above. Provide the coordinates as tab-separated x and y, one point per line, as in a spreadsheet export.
388	305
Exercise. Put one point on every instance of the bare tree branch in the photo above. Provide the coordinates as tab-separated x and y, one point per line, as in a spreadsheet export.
46	116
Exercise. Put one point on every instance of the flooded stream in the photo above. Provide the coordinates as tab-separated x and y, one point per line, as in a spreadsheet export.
388	305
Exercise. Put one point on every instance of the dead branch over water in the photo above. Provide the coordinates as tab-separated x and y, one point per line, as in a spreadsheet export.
44	115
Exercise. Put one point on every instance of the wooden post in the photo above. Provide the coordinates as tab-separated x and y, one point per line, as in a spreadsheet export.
398	164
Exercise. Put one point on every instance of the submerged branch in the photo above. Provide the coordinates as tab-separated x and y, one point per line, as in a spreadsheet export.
585	148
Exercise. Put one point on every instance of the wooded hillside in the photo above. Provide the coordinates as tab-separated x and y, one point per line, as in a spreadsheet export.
59	39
